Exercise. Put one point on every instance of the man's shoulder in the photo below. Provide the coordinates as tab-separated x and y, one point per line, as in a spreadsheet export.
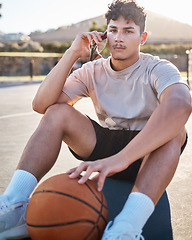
155	62
146	57
98	61
91	65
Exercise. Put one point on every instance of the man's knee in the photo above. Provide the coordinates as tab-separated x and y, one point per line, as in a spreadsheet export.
174	146
181	137
58	114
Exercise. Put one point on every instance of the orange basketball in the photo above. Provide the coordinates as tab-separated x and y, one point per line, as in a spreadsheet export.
62	209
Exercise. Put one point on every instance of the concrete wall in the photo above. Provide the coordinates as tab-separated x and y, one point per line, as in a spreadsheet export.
25	64
18	64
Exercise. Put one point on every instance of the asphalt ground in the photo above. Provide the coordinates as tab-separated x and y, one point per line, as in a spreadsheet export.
18	122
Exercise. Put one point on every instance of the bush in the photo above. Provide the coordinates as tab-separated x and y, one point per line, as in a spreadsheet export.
55	47
173	49
21	47
95	27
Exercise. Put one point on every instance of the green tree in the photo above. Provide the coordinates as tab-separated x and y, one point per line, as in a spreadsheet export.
97	28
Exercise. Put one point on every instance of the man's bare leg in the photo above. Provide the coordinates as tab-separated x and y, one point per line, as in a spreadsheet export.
155	174
60	122
158	168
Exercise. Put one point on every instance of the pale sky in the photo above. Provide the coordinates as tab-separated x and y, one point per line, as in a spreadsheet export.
30	15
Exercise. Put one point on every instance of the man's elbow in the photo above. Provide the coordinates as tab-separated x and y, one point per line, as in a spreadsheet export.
185	107
189	108
36	107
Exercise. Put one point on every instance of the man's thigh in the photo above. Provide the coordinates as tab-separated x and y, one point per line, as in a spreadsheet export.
78	130
108	143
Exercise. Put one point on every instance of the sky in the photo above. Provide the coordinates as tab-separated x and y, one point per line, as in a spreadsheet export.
41	15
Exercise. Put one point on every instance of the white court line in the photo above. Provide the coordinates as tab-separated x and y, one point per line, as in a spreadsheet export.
16	115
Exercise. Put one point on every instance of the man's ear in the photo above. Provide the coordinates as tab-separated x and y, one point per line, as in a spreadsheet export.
144	38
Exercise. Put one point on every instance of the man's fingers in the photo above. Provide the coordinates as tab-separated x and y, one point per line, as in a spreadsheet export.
95	178
90	36
89	39
96	37
101	180
71	170
87	174
75	172
89	168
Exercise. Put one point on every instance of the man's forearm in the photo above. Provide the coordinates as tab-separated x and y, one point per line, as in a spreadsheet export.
164	124
52	86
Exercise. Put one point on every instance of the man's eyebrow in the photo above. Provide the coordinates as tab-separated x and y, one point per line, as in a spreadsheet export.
125	28
111	26
128	28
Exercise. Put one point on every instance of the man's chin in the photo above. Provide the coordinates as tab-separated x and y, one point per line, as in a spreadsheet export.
119	58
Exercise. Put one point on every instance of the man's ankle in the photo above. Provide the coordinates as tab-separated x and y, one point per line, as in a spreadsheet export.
21	186
136	211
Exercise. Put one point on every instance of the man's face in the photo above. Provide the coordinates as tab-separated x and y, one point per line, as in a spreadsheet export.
124	39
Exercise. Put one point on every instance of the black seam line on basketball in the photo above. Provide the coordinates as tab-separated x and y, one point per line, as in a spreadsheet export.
90	232
95	194
60	224
102	206
68	195
100	213
96	223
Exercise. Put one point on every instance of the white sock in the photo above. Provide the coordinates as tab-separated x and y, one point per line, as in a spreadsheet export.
135	213
21	186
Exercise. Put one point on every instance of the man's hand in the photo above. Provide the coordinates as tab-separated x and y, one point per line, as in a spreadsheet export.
104	168
81	44
56	78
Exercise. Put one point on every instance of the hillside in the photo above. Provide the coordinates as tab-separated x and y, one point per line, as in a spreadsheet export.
160	29
164	29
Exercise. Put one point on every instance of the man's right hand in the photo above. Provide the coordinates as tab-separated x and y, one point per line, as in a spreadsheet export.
56	78
82	42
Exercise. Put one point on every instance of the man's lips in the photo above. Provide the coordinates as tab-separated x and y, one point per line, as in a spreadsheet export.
118	47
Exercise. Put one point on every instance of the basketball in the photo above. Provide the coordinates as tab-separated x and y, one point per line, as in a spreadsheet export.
62	209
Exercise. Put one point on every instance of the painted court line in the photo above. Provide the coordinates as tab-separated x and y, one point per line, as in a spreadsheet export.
16	115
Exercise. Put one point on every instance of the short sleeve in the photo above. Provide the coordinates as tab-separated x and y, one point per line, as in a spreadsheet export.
163	75
75	86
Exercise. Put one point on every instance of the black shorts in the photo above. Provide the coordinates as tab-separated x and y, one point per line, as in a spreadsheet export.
110	142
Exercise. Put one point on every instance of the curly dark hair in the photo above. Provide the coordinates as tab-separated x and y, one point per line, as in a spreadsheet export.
128	9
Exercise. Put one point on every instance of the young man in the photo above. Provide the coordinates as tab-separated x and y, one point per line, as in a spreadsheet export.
142	106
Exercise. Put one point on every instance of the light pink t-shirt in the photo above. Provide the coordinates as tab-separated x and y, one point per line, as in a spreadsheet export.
123	99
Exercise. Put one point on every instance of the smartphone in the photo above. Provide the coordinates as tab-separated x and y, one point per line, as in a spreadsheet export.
104	35
97	49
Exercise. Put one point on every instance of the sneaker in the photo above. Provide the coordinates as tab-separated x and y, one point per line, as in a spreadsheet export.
109	234
12	219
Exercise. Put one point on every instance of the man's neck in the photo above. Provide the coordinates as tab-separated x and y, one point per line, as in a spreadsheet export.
119	65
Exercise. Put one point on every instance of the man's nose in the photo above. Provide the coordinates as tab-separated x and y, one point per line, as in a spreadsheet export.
119	36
